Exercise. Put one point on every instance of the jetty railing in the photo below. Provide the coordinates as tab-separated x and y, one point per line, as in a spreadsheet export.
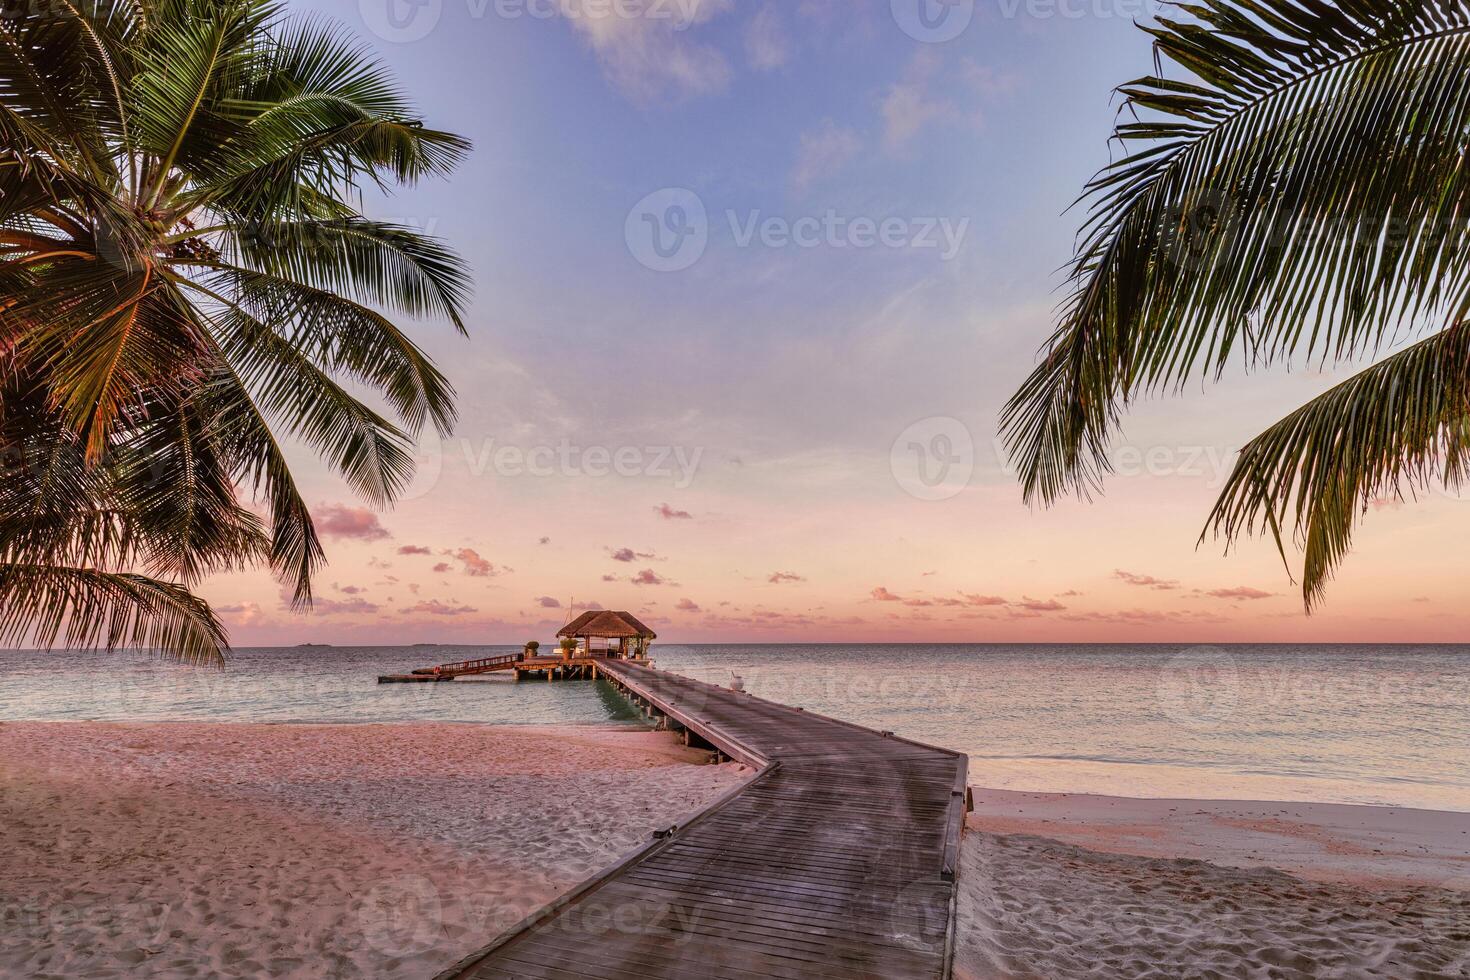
484	665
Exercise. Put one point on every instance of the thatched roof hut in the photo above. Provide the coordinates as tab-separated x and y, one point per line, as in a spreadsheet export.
608	631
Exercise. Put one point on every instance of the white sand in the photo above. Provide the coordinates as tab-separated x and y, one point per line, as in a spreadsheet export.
186	850
191	850
1056	886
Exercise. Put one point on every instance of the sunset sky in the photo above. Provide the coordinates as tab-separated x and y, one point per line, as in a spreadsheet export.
732	430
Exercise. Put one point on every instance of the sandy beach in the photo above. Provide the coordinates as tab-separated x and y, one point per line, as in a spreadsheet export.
1056	885
185	850
197	850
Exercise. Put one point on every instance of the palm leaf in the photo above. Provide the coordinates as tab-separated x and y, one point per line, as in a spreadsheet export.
368	261
348	337
85	608
183	267
370	452
1301	198
1397	427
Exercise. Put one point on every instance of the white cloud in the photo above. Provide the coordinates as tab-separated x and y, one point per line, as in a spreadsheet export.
908	107
911	104
646	49
824	150
987	82
767	44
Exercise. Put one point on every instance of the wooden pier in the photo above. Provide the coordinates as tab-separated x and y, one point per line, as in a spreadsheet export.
837	860
580	667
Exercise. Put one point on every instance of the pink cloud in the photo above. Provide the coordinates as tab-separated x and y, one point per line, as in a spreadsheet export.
355	523
351	589
778	577
687	605
547	602
343	607
1240	592
546	541
413	549
443	567
629	555
436	608
974	599
883	595
1135	617
474	565
609	578
670	514
243	613
1146	581
1041	605
648	577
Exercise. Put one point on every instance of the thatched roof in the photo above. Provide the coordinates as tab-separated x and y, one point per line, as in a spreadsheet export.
606	624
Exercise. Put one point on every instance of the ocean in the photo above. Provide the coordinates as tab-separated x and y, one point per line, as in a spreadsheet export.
1383	725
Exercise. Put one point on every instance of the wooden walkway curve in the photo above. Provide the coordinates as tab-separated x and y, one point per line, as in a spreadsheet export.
836	860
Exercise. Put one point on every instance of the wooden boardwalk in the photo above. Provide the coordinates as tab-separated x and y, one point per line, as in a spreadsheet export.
837	860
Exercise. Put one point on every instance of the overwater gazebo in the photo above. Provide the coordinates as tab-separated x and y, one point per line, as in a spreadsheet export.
605	633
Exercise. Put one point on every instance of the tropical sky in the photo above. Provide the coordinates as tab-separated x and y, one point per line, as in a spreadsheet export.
754	278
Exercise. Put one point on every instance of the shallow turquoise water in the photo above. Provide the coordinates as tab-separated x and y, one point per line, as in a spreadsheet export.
1375	724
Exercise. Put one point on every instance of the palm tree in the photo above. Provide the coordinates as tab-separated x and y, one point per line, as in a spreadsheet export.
1302	198
187	278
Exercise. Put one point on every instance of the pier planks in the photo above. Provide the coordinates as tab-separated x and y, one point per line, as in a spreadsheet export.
837	860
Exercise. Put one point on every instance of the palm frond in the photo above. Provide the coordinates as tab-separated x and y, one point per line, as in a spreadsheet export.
1395	428
183	266
86	609
368	261
239	424
368	450
345	336
164	498
1302	196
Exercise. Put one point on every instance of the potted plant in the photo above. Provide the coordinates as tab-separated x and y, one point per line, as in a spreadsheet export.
531	649
568	647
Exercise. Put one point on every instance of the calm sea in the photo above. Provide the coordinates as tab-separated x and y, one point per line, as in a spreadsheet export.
1350	724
